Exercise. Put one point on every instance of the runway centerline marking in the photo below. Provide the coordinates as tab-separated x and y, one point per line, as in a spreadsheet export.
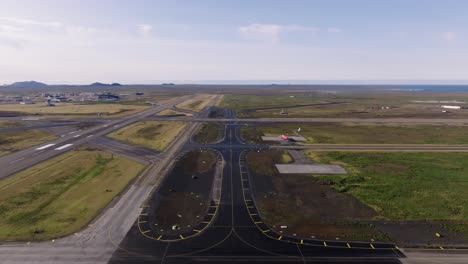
45	146
63	147
16	160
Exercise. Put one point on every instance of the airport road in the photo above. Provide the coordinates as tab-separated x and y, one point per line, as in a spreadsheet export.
344	147
99	240
238	234
324	120
26	158
46	125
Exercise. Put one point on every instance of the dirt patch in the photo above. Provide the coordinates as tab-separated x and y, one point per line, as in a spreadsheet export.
184	197
306	205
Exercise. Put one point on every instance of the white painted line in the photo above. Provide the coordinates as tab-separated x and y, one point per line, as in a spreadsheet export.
105	125
64	146
89	136
116	125
73	132
76	136
11	162
45	146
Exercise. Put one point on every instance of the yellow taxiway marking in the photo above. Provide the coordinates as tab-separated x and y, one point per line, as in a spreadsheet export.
265	231
159	237
211	214
372	246
214	206
437	234
442	248
253	214
182	237
141	222
324	243
248	200
302	241
258	223
396	247
205	222
196	230
250	207
144	232
347	244
280	237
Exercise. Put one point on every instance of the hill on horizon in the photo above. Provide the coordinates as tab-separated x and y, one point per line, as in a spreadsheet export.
28	84
104	84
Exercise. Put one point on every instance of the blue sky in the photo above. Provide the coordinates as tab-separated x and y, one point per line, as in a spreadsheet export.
60	41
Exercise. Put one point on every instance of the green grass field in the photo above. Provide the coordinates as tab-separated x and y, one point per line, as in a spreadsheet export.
170	112
418	186
60	196
154	134
17	140
197	103
359	105
209	133
343	133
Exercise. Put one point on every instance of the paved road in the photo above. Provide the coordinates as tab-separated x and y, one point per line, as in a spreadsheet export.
324	120
239	235
293	106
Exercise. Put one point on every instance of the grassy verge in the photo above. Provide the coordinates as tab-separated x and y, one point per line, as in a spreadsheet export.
60	196
17	140
209	133
418	186
344	133
154	134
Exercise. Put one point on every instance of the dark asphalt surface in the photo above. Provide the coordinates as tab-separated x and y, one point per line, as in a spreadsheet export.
294	106
234	236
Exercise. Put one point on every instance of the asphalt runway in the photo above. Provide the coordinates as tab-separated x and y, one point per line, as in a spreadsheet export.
293	106
237	234
26	158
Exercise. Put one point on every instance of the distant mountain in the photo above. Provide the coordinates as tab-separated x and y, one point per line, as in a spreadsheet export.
104	84
28	84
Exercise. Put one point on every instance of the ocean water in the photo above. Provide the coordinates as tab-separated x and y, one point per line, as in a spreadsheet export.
401	88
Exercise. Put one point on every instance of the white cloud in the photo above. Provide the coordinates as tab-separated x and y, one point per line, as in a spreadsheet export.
448	36
272	32
334	30
144	30
22	21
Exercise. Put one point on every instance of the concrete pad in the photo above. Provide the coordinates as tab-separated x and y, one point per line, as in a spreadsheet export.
309	169
278	138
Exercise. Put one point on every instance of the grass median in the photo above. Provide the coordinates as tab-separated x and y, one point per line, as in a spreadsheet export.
60	196
154	134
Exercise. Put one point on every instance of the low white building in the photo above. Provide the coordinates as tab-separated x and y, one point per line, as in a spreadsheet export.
451	106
